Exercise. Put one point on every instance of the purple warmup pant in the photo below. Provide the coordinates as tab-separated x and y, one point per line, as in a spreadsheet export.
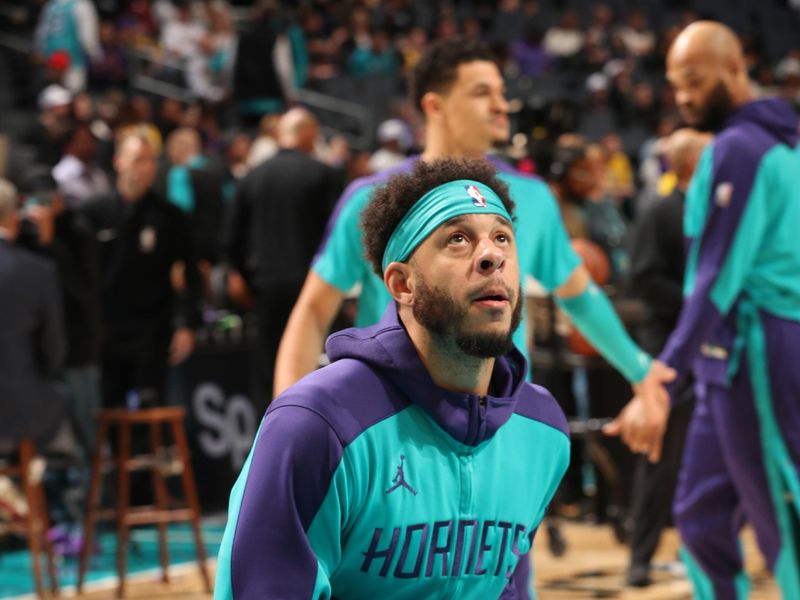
740	464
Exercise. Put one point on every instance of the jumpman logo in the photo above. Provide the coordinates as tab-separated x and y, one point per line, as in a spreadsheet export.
400	479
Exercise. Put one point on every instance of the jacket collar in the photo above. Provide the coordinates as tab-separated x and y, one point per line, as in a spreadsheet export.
468	418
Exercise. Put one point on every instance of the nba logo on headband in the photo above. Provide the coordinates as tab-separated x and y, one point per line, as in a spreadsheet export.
477	197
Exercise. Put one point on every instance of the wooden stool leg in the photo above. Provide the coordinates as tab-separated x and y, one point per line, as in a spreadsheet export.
92	503
190	491
32	521
161	498
124	499
48	545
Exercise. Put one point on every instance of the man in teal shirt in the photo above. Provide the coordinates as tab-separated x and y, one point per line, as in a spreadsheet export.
70	26
460	91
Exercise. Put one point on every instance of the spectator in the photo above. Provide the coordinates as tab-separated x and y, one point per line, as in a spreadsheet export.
600	26
263	72
77	174
63	235
266	144
324	45
32	342
359	32
571	180
507	24
620	172
70	26
640	117
652	165
529	54
396	15
606	225
638	38
394	137
181	35
210	69
170	117
277	221
184	151
236	149
55	119
195	185
111	67
379	58
598	118
150	282
412	47
566	39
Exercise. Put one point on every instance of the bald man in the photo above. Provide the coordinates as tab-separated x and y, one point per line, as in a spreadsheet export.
277	219
739	329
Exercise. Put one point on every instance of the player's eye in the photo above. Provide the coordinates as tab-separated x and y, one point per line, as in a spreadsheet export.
456	238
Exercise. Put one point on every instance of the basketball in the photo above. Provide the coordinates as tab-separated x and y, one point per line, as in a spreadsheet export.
594	259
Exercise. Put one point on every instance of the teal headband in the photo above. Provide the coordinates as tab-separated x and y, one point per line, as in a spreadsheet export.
442	203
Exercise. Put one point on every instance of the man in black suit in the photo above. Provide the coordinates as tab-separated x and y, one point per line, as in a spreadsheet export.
32	340
149	281
276	222
656	277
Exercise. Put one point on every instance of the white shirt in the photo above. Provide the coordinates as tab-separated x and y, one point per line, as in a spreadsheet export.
78	181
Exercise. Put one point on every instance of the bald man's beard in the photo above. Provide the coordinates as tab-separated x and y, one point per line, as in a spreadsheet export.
439	313
717	107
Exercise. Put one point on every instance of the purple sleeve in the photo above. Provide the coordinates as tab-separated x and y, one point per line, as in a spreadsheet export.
725	194
520	583
290	471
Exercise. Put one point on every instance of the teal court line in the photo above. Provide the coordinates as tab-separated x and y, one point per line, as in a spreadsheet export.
16	574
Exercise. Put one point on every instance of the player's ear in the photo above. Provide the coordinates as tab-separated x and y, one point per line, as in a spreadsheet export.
399	280
431	104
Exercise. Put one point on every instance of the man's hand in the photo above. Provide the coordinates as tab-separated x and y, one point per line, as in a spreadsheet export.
652	388
642	422
238	292
181	346
641	427
44	220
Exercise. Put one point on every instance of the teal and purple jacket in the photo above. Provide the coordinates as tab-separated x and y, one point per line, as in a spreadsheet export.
366	480
741	223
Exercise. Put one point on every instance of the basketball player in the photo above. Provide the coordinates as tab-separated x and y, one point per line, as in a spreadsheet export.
739	328
419	463
460	90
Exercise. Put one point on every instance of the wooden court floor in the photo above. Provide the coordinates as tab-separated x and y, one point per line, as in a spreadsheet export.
593	567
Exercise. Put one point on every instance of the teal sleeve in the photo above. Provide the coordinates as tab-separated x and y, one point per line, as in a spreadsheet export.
741	264
544	247
341	262
179	188
299	54
594	316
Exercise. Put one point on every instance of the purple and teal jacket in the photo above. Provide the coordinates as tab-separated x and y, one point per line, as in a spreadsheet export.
741	222
367	480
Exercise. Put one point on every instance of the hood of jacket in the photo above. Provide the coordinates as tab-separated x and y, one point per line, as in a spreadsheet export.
773	115
469	418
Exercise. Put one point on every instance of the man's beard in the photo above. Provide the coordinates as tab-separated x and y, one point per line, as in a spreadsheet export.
438	312
718	105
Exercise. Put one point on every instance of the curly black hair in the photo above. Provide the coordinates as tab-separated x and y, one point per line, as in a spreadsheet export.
438	68
390	202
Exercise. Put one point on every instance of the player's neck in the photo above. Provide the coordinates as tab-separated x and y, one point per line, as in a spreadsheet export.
449	367
440	146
